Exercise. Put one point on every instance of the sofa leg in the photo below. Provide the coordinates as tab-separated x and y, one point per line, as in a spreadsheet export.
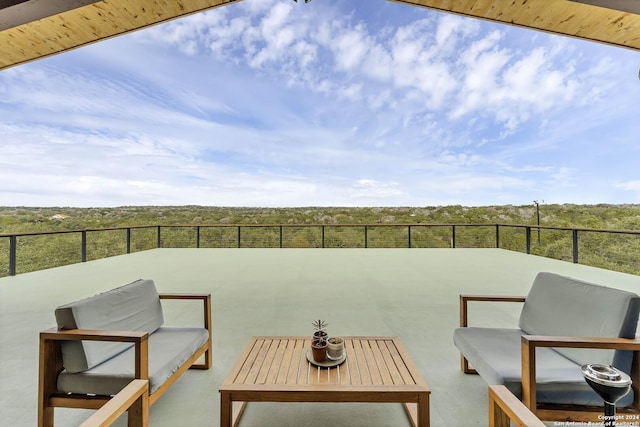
138	413
45	416
50	364
464	366
208	357
497	417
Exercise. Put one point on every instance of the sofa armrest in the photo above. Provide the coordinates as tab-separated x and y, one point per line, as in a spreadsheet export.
529	344
206	300
504	407
464	302
139	339
184	296
134	398
93	335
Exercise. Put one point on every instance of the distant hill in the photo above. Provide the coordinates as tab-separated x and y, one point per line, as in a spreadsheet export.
27	219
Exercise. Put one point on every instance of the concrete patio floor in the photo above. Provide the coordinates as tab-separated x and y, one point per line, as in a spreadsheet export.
409	293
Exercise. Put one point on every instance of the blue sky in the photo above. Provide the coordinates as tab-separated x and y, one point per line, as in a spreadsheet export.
329	103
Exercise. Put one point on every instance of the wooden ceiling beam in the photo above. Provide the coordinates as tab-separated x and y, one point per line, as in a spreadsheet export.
584	19
17	12
69	24
632	6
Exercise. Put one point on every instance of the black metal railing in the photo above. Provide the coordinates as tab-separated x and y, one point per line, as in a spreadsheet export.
612	249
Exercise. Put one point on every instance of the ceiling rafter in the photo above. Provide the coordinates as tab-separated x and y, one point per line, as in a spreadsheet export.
35	29
583	19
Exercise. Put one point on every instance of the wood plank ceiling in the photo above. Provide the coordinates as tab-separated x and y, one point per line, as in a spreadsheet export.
32	29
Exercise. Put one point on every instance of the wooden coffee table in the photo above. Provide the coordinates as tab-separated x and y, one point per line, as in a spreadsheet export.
276	369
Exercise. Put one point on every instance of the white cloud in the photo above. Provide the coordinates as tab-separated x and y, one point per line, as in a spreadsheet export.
632	186
378	64
272	39
375	190
350	48
451	29
352	92
223	38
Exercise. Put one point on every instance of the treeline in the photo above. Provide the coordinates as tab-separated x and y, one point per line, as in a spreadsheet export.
619	252
26	219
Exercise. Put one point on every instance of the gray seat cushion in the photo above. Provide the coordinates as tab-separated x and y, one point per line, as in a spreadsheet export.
169	348
495	354
133	307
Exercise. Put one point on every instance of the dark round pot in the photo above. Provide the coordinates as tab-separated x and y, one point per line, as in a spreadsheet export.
319	350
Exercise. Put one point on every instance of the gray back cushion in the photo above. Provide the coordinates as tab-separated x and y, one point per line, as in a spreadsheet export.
133	307
562	306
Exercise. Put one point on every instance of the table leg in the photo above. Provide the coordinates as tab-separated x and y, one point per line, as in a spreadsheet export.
237	410
412	412
423	411
225	410
418	413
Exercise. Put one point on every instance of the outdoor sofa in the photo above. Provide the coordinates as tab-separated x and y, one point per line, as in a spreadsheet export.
104	342
564	323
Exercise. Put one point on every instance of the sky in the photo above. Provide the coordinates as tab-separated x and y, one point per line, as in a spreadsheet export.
272	103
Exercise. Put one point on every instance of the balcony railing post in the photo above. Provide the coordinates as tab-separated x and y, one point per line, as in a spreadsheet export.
13	250
498	236
198	237
280	237
528	236
323	237
159	237
128	240
575	246
453	236
409	237
365	237
238	237
83	248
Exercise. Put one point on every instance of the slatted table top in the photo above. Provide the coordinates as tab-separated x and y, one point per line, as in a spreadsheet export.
276	369
371	361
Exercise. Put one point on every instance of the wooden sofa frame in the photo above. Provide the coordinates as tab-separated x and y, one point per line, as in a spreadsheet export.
504	407
50	365
134	398
529	344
